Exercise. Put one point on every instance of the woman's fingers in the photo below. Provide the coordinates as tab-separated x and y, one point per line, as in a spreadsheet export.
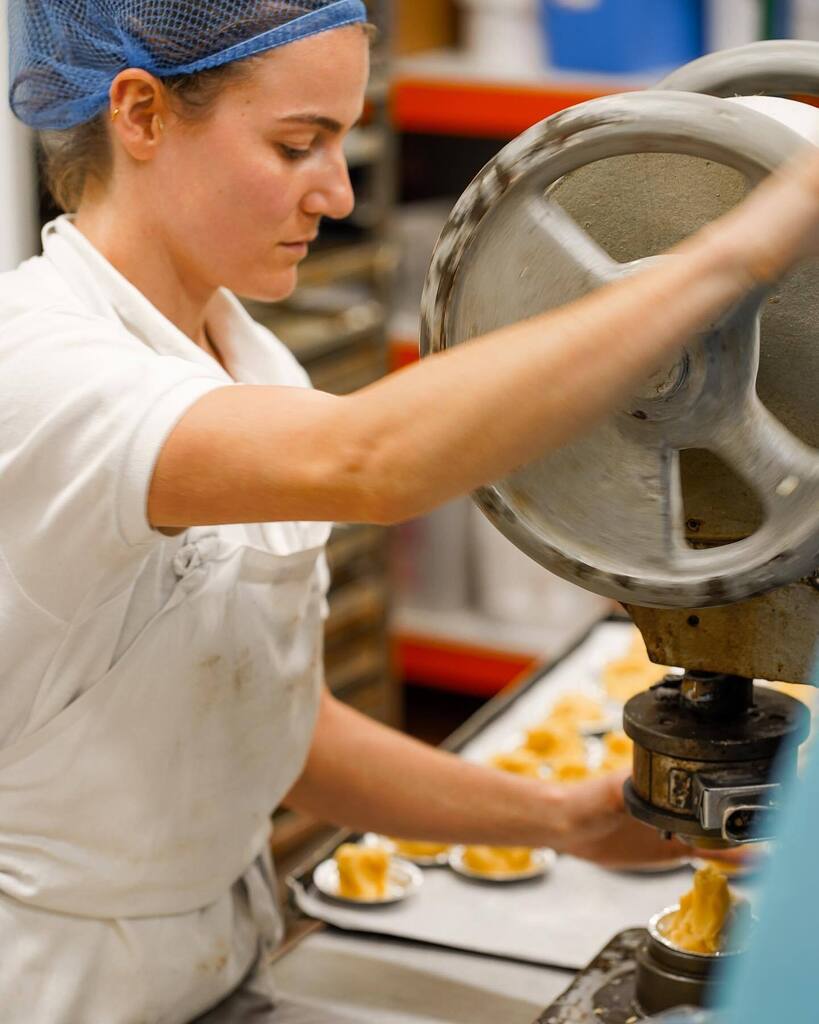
600	830
631	844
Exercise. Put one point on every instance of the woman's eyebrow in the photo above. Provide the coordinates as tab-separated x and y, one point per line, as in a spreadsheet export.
316	121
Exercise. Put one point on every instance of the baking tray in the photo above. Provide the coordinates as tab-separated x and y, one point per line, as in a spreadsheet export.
561	920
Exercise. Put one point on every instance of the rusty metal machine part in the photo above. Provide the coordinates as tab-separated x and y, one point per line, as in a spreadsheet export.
764	636
704	748
636	974
675	504
668	977
704	744
607	512
603	992
606	992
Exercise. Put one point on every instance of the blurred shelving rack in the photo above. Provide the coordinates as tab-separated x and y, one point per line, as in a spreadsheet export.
444	93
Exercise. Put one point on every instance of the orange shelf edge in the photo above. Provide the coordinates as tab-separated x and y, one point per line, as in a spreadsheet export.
402	352
481	108
459	668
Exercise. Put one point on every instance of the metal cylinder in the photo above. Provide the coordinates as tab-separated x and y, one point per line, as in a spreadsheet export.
704	751
668	976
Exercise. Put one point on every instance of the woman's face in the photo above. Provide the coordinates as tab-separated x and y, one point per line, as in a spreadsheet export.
240	195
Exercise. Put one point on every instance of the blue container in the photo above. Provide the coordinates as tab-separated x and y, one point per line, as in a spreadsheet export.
621	36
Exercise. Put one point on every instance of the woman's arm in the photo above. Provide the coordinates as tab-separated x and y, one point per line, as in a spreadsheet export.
364	776
471	415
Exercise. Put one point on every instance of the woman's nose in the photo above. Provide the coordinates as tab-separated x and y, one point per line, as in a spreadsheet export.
333	196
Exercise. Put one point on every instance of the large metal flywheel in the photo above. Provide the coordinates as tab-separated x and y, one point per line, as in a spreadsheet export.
592	194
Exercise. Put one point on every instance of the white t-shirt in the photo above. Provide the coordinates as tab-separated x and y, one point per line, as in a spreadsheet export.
92	381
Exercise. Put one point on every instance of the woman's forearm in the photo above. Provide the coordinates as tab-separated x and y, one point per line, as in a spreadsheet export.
364	776
471	415
440	428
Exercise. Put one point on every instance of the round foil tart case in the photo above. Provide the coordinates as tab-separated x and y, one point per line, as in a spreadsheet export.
657	933
403	880
543	861
658	867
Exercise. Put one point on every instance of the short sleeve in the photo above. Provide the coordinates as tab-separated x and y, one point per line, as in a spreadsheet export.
86	409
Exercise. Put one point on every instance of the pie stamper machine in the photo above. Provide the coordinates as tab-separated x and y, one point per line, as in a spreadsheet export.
696	504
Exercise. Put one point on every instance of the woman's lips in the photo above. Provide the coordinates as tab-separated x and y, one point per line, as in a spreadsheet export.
299	249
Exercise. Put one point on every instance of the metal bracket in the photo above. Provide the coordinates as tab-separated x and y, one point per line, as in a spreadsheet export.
741	814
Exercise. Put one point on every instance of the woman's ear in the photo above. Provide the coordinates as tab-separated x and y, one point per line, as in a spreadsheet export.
138	112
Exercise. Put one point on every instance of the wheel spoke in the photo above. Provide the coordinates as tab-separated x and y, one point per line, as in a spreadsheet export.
737	348
730	367
565	245
626	506
782	470
536	259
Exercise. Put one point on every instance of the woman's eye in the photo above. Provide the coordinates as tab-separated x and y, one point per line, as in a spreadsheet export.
291	153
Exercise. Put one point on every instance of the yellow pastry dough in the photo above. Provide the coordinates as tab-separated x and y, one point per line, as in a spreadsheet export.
617	752
572	770
807	694
555	740
519	762
727	867
632	674
699	924
362	871
577	709
617	744
418	848
497	860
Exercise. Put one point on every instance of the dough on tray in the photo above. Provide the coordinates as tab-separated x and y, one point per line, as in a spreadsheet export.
555	740
618	751
628	676
497	860
577	709
419	848
572	770
519	762
362	871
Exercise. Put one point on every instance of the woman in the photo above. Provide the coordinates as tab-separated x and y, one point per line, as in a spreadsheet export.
162	669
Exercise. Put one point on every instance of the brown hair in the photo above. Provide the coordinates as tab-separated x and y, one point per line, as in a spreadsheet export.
71	157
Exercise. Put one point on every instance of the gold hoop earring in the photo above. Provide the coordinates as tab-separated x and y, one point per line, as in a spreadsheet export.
115	113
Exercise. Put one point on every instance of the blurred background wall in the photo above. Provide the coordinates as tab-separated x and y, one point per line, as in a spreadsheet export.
18	184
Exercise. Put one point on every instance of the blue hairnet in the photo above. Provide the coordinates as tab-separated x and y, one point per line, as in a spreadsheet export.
64	54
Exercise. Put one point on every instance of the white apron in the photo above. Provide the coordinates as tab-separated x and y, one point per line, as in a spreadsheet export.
162	777
135	884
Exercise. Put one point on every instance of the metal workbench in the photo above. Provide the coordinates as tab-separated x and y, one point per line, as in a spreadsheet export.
390	981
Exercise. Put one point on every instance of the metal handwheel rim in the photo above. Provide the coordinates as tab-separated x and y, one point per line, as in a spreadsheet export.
638	122
774	66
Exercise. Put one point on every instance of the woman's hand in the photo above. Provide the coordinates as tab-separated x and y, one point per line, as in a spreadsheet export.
599	829
778	224
369	778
